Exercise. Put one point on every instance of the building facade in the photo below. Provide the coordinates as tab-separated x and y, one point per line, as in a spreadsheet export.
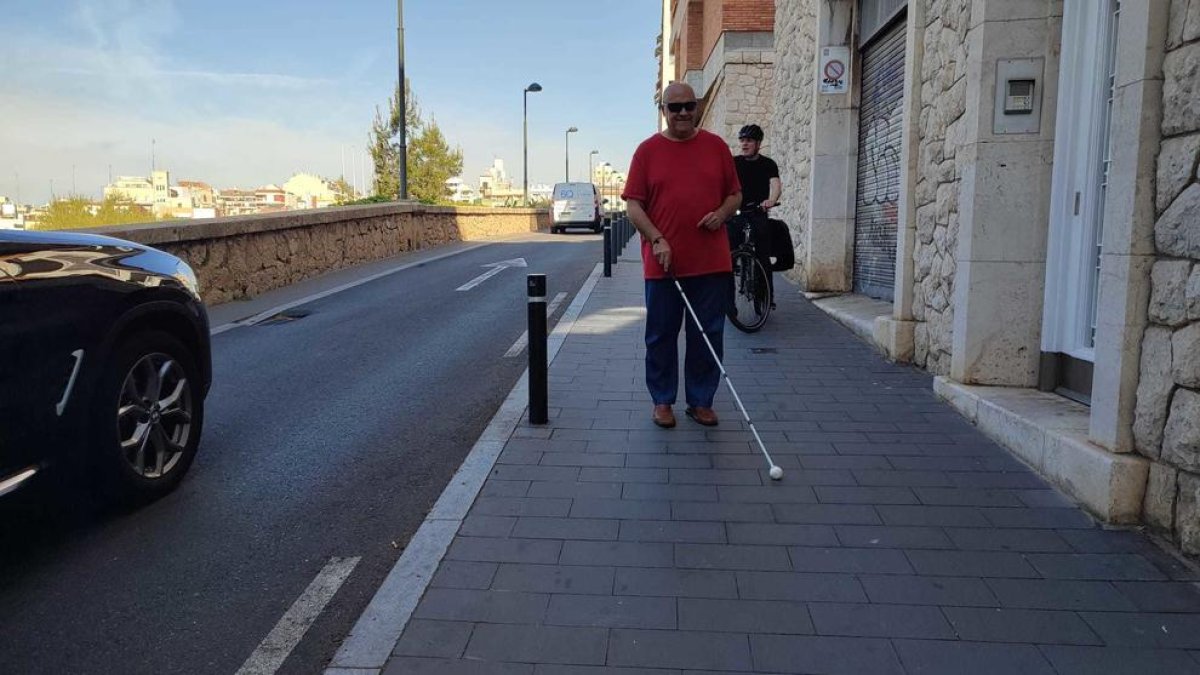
1015	184
725	49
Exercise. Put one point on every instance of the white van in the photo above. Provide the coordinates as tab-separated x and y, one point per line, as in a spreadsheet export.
575	205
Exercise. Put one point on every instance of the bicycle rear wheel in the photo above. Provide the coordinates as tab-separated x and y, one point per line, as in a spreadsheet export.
751	299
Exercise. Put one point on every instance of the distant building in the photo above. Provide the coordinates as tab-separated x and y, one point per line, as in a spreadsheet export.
310	192
202	194
237	202
461	191
272	198
497	189
12	217
137	189
610	183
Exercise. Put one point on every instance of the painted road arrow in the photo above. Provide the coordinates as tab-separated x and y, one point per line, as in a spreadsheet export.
497	268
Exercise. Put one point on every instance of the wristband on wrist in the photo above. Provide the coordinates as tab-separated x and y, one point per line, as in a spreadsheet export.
656	240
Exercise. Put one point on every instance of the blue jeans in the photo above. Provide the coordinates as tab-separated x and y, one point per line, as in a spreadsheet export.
709	295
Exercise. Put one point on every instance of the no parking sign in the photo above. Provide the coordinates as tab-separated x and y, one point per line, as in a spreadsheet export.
834	70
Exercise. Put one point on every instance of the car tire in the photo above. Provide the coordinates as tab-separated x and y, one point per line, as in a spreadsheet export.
149	390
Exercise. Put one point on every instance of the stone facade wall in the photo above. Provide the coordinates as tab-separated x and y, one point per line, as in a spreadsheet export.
241	257
1167	420
742	96
939	169
790	136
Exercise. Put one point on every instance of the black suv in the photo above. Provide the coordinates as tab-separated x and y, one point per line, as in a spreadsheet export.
104	362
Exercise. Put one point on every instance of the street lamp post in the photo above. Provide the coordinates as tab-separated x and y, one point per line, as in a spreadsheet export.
567	135
534	87
591	171
403	102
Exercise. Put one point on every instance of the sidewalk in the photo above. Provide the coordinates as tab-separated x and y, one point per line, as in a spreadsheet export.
900	540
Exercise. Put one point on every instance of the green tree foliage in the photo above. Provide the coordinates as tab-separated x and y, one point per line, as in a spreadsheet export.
344	190
430	159
431	163
76	212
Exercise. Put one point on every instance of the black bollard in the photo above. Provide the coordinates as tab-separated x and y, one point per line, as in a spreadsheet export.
615	244
608	250
538	387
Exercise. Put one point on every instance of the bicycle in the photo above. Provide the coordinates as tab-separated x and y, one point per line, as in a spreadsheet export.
752	299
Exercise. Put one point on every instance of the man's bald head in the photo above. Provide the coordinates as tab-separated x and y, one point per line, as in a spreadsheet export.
679	91
679	107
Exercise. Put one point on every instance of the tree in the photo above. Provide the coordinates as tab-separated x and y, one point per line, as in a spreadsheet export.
384	143
343	189
431	163
76	211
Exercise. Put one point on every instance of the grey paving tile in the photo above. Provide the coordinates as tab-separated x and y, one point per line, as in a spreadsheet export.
939	657
937	516
861	446
703	447
1011	480
538	644
623	611
715	477
520	506
459	574
676	583
504	488
407	665
993	539
1104	566
843	462
679	649
481	549
832	655
618	554
722	512
643	447
885	536
888	477
1119	661
487	526
663	492
1161	597
939	496
601	670
744	616
452	604
583	459
668	461
1050	499
609	475
1177	631
566	528
865	495
890	621
544	489
1038	518
768	494
849	560
434	638
971	564
729	557
1060	594
965	468
575	579
950	591
672	531
597	435
521	472
827	514
627	509
774	534
1097	540
1020	626
517	456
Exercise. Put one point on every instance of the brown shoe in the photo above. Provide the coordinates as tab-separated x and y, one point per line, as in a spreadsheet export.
663	416
704	416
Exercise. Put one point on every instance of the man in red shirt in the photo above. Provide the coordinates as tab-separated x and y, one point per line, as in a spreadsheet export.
682	187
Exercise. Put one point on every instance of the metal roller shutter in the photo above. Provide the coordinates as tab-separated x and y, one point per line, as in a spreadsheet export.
879	133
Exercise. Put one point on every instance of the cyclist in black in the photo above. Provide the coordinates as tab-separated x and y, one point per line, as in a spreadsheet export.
759	176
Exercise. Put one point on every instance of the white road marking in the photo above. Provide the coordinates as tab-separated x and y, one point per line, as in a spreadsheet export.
497	268
338	289
519	345
282	639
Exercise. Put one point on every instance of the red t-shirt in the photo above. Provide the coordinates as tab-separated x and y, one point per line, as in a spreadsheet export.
678	183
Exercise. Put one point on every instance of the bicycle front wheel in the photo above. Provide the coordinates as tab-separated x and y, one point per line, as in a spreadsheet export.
751	297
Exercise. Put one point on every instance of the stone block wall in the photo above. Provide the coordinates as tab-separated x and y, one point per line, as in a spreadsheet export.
241	257
790	137
939	169
1167	419
742	96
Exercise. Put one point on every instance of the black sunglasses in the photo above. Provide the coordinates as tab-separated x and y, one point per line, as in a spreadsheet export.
679	107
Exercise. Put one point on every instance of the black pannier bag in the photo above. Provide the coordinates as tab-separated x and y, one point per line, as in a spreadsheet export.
780	245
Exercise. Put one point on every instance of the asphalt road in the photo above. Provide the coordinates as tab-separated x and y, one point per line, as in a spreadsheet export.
325	436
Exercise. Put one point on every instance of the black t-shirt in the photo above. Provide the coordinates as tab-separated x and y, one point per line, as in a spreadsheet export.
755	176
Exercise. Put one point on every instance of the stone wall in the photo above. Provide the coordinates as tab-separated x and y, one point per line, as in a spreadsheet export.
1167	420
939	169
241	257
790	139
742	96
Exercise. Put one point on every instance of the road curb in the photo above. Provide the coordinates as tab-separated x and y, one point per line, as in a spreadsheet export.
371	640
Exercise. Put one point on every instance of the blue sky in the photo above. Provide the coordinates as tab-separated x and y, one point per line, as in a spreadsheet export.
246	93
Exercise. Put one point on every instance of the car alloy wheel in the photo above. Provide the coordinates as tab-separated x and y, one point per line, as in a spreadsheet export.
154	416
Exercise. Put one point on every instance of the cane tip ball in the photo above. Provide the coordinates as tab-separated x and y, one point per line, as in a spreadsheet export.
776	473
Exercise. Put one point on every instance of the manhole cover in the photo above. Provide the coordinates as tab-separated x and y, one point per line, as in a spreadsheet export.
286	316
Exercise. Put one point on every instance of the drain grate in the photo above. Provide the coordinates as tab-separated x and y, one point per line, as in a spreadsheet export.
763	350
286	316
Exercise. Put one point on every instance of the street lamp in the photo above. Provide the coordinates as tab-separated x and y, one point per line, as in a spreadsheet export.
403	102
591	171
568	137
534	87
